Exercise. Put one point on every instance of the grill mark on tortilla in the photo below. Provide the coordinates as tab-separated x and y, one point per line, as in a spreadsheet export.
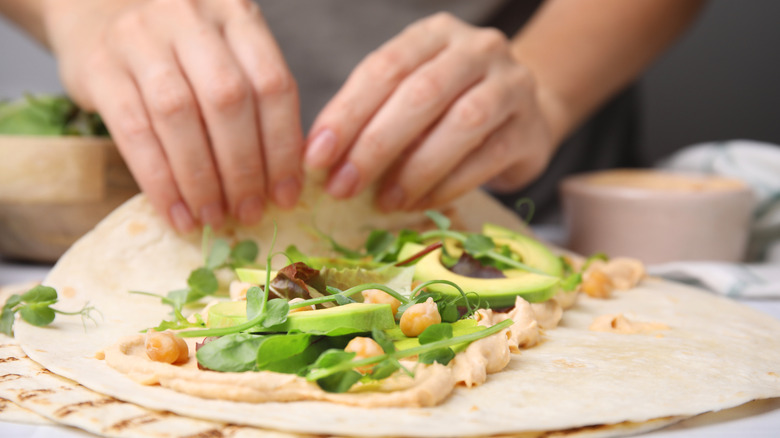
217	432
151	417
44	371
9	377
32	393
74	407
8	359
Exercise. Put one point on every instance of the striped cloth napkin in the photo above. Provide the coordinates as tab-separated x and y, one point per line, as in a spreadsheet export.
758	165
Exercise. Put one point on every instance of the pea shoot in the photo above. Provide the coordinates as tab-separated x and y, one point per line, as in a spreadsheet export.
34	307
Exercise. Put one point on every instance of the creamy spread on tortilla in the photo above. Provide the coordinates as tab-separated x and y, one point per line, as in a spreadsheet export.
430	385
620	324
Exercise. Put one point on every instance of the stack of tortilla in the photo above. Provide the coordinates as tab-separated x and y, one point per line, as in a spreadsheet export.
715	354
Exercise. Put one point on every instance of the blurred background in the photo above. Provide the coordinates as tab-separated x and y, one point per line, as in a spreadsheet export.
718	83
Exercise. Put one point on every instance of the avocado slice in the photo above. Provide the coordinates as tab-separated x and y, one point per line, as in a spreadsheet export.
333	321
500	292
254	276
493	292
532	252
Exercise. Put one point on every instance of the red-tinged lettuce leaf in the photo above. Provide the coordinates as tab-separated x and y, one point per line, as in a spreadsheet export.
294	281
468	266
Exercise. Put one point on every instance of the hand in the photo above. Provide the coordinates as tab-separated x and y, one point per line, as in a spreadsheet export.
435	112
196	95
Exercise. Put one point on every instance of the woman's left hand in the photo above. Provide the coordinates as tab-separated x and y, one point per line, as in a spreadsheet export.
437	111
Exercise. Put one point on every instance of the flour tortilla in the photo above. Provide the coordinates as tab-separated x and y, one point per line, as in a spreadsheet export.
717	353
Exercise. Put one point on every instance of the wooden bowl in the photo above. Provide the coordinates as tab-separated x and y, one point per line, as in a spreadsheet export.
55	189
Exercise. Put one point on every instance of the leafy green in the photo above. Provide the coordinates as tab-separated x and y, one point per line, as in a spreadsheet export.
478	245
298	363
38	314
219	254
236	352
295	255
275	313
337	381
435	333
531	208
39	294
202	281
280	349
383	340
244	253
442	222
379	244
48	116
34	306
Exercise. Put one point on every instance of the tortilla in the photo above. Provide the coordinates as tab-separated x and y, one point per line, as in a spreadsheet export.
715	354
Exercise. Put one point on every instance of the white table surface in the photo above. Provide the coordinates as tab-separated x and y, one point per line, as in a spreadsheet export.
760	419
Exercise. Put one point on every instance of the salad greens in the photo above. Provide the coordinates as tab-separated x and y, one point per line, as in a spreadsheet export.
202	281
48	116
34	306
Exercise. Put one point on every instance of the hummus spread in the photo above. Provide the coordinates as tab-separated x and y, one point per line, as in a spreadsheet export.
622	325
430	385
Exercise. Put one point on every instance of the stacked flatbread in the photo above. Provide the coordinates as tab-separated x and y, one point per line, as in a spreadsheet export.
715	354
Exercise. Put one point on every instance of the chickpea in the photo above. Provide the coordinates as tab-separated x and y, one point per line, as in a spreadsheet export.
166	347
376	296
300	309
419	317
364	348
596	284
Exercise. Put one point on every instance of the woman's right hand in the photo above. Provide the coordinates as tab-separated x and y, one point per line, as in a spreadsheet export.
197	96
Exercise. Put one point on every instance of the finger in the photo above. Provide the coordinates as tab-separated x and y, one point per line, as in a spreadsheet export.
418	103
516	145
465	126
175	118
369	85
276	94
227	105
119	104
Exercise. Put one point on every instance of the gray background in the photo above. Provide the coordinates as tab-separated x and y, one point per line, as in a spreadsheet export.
718	83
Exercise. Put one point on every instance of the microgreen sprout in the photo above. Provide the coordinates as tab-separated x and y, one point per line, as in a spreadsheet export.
217	254
34	306
531	208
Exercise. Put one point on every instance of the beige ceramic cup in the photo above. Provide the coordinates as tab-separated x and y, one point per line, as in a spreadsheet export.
657	216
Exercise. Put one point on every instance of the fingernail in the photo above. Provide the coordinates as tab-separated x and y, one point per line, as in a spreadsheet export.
343	182
250	210
320	151
181	217
392	199
287	191
212	214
